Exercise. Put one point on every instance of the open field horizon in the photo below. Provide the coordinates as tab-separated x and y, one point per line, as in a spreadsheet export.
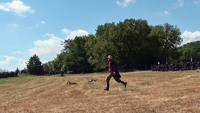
147	91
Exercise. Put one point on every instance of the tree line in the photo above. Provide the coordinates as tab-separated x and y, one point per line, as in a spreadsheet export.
5	73
189	51
133	43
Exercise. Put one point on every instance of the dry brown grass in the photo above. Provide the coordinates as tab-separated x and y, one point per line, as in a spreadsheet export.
146	92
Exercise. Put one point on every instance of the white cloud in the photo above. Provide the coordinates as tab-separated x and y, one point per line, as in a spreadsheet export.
42	22
66	31
163	13
44	62
18	52
189	36
126	2
166	12
51	46
22	63
196	1
180	3
72	34
8	60
13	25
16	6
2	7
175	6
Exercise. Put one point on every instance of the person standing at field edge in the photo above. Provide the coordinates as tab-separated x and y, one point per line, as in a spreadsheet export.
113	73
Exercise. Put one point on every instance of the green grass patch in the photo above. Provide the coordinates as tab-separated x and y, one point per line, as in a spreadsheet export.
192	90
10	79
94	87
145	83
173	77
89	83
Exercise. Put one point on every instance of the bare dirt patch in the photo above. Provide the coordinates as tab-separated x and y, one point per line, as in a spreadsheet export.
146	92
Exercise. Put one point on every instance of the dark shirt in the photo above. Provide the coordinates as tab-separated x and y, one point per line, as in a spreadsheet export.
113	68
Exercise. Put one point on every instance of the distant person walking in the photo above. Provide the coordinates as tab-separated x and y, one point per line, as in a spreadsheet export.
113	73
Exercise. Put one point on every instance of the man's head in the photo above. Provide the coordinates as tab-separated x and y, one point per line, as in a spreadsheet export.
110	58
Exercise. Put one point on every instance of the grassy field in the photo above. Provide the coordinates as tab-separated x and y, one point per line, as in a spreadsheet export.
146	92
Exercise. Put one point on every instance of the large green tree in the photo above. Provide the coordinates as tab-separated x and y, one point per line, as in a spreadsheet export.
130	39
76	59
90	41
102	47
127	42
59	61
34	65
168	39
188	51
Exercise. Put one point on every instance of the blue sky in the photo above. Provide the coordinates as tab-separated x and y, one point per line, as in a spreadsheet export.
30	27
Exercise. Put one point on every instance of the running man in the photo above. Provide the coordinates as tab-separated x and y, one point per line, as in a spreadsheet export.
113	73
